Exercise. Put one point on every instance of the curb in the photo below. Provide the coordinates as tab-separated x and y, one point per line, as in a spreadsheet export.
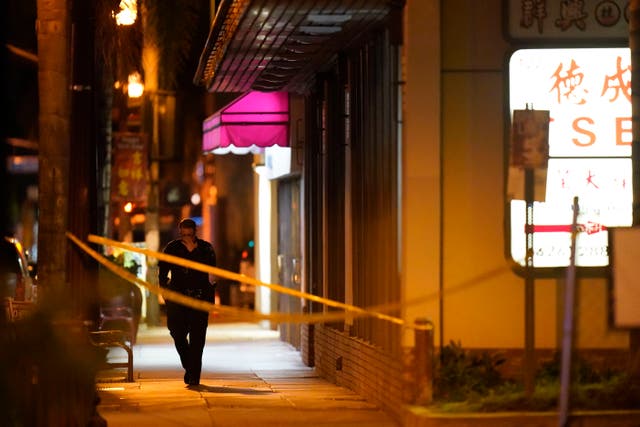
423	417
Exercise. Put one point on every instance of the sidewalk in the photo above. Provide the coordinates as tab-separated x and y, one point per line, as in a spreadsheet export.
249	378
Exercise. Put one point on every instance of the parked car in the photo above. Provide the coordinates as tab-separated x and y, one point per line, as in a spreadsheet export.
15	278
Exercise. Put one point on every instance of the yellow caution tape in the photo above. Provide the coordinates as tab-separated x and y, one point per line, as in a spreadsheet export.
232	314
166	293
352	310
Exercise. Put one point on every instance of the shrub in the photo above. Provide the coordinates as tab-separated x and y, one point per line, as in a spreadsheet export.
464	382
47	371
459	374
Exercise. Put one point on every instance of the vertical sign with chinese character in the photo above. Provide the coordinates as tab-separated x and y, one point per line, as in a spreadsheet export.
529	152
129	168
588	94
530	139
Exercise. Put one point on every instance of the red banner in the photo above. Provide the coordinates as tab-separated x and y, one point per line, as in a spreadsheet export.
129	168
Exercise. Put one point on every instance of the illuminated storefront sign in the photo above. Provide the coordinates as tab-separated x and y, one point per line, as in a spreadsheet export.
129	168
568	19
588	94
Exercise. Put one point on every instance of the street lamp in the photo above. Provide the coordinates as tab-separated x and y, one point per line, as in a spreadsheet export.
135	87
128	207
128	12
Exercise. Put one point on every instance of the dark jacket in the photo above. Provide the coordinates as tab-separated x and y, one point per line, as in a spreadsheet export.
186	280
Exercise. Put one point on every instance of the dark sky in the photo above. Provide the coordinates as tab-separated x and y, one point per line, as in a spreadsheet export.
19	100
21	75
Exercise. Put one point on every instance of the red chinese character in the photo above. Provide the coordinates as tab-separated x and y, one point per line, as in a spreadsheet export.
567	83
618	83
563	178
572	12
590	179
533	10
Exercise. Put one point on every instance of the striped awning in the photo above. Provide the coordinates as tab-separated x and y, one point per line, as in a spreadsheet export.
249	124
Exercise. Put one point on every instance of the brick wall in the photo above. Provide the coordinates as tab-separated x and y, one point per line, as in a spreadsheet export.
354	364
389	381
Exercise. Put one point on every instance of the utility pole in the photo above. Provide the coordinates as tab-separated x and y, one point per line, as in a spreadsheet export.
533	126
150	64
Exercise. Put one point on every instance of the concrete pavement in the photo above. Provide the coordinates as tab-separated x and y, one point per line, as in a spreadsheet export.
249	378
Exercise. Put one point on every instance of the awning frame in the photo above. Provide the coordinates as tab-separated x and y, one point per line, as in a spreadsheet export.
279	45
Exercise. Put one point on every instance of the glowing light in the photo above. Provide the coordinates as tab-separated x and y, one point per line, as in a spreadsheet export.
135	88
195	199
128	12
128	207
138	219
212	199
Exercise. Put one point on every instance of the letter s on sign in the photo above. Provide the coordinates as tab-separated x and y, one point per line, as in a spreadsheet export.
583	131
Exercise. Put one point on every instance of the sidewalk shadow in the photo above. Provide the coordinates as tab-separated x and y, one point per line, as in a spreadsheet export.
219	389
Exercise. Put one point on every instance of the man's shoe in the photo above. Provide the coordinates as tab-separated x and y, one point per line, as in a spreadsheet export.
193	381
187	380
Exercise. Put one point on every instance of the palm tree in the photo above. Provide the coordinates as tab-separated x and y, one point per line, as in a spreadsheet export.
65	368
54	117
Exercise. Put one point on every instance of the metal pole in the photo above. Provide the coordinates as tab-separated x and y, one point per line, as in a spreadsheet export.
567	337
529	292
423	361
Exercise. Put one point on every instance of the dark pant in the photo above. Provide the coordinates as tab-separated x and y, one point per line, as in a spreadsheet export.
182	322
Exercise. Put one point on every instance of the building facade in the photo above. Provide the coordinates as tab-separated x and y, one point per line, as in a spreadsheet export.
397	200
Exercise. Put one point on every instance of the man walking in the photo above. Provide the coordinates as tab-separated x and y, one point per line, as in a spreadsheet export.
187	326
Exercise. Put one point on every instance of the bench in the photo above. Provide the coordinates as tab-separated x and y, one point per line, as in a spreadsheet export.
115	338
119	317
17	310
117	323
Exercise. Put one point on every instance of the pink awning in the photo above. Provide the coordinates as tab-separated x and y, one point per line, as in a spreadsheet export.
248	124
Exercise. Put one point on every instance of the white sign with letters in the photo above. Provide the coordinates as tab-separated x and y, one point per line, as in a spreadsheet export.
588	94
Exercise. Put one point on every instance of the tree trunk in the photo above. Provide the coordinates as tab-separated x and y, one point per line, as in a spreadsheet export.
5	222
53	80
